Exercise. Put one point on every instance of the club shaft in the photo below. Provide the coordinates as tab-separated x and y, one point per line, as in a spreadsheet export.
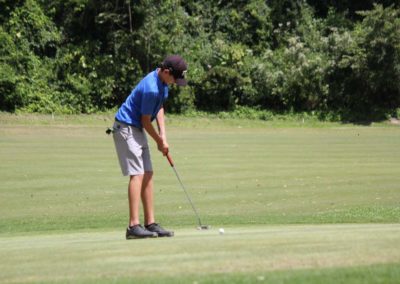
187	195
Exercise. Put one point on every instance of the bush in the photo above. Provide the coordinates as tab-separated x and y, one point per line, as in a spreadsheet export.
8	100
8	76
181	100
292	77
366	70
27	71
227	81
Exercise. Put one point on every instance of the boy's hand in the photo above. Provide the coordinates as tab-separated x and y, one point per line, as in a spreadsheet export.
163	147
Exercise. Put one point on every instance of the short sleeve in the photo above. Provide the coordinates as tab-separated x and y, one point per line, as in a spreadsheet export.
149	102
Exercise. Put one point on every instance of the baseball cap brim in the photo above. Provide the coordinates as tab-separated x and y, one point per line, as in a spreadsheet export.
181	82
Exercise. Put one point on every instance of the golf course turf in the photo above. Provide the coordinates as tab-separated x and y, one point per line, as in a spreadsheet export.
300	203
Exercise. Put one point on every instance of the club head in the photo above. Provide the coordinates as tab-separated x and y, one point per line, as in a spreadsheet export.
203	227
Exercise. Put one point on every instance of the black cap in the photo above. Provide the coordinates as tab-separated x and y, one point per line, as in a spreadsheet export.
178	68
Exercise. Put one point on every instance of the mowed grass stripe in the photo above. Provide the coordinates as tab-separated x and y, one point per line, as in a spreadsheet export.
106	255
67	177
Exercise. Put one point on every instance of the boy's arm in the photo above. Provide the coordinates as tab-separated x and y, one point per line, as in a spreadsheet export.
160	118
148	126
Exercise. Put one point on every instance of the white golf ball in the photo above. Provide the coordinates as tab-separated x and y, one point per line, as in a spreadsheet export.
221	231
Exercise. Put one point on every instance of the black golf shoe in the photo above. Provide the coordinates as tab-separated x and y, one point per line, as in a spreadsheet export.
160	231
138	232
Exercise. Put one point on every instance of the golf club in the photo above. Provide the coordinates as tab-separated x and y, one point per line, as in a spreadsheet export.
201	226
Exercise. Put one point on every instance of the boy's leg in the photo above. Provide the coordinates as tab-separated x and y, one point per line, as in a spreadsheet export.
134	189
135	230
147	198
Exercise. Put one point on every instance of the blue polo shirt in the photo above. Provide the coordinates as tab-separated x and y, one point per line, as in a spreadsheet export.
146	98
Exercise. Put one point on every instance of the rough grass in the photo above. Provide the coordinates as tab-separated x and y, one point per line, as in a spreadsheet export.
301	203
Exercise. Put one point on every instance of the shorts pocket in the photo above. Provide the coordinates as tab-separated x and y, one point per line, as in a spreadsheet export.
121	130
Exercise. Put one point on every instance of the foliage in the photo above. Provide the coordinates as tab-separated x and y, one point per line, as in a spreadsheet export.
351	8
29	40
83	56
292	78
365	76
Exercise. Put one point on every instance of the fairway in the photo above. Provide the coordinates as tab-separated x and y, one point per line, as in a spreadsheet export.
299	203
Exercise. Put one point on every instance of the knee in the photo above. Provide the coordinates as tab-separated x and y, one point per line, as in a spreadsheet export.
136	178
148	175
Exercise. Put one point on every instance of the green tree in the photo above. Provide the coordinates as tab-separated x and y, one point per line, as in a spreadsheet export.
30	39
351	8
365	78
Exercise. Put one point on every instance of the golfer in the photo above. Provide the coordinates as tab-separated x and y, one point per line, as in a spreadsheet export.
143	105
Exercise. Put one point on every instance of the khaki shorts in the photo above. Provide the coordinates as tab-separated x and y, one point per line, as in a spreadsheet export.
132	149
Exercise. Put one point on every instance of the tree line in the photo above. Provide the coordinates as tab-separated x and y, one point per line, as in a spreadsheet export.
336	58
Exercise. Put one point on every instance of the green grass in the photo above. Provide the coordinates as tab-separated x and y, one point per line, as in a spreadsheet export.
248	253
300	203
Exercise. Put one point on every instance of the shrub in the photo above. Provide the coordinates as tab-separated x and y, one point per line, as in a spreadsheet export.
227	81
292	77
366	70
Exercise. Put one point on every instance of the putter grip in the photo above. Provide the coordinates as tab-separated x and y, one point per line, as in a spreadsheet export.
170	160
